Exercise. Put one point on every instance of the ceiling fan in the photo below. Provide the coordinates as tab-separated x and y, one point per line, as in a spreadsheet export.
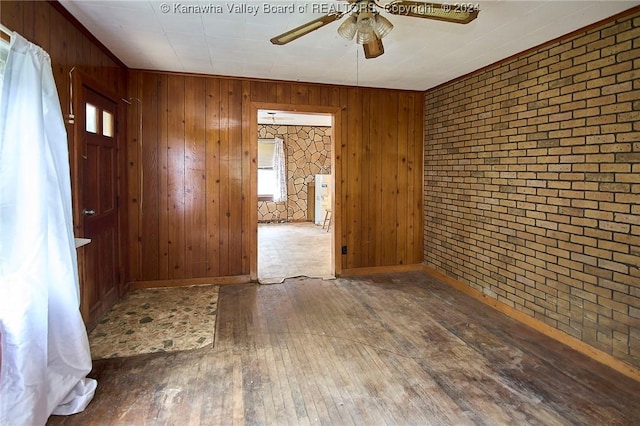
368	26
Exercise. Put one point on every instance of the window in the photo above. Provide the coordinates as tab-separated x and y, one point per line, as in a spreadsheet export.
107	124
266	175
91	124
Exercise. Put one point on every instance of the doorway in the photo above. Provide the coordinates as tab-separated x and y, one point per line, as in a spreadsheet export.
294	239
97	198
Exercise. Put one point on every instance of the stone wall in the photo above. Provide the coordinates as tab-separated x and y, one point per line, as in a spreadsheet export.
308	151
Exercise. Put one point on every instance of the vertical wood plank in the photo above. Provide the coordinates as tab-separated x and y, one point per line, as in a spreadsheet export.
334	96
249	180
402	190
418	154
413	166
325	95
299	94
375	169
176	181
353	175
195	178
134	167
283	93
225	179
41	25
236	195
58	54
315	95
162	167
28	30
365	229
389	177
150	211
71	36
212	122
12	15
262	91
339	171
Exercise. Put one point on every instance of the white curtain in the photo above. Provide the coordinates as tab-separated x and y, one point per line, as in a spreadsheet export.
45	352
280	171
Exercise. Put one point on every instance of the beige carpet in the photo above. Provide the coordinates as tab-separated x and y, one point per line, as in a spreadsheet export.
157	320
287	250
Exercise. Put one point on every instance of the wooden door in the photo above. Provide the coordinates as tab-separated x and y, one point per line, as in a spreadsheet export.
99	204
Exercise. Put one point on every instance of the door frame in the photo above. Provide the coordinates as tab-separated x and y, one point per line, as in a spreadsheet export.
336	169
80	80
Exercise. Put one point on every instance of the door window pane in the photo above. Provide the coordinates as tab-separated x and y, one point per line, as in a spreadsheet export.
107	124
91	121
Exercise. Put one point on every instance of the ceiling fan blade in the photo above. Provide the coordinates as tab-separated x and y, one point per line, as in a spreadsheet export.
374	48
305	29
460	13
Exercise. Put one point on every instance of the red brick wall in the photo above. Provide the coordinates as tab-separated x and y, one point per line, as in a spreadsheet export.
532	184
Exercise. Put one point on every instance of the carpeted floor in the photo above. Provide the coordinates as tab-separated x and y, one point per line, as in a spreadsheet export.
157	320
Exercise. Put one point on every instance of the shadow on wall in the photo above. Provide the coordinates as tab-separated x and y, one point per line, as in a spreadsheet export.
308	150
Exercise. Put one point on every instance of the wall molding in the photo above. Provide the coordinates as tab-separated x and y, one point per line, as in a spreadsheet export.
234	279
381	270
547	330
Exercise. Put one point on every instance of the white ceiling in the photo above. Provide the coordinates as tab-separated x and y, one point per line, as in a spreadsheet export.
419	53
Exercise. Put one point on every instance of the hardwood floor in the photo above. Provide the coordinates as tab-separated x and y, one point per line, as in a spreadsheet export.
383	349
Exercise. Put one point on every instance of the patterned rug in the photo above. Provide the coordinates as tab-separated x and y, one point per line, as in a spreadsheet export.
157	320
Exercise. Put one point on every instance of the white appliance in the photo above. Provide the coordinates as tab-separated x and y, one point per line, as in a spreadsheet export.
323	197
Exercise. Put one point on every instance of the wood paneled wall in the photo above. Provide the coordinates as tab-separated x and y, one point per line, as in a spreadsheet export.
42	23
192	153
48	25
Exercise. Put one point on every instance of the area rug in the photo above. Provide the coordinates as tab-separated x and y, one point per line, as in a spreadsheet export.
157	320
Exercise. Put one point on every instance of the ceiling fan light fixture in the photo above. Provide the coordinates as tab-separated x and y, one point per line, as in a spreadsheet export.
349	27
374	48
365	37
296	33
366	22
382	26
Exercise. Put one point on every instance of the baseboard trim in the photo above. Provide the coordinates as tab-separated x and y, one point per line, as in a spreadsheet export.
235	279
380	270
558	335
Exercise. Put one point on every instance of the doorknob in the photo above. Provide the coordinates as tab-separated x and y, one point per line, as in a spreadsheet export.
88	212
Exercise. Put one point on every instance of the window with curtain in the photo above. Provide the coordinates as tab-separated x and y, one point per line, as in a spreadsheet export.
266	172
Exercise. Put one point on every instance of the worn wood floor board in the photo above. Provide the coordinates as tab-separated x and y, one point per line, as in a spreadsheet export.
396	349
345	337
475	380
406	340
504	346
501	383
342	380
316	347
299	336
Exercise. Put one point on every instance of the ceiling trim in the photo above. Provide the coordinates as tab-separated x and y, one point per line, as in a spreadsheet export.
564	37
72	19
